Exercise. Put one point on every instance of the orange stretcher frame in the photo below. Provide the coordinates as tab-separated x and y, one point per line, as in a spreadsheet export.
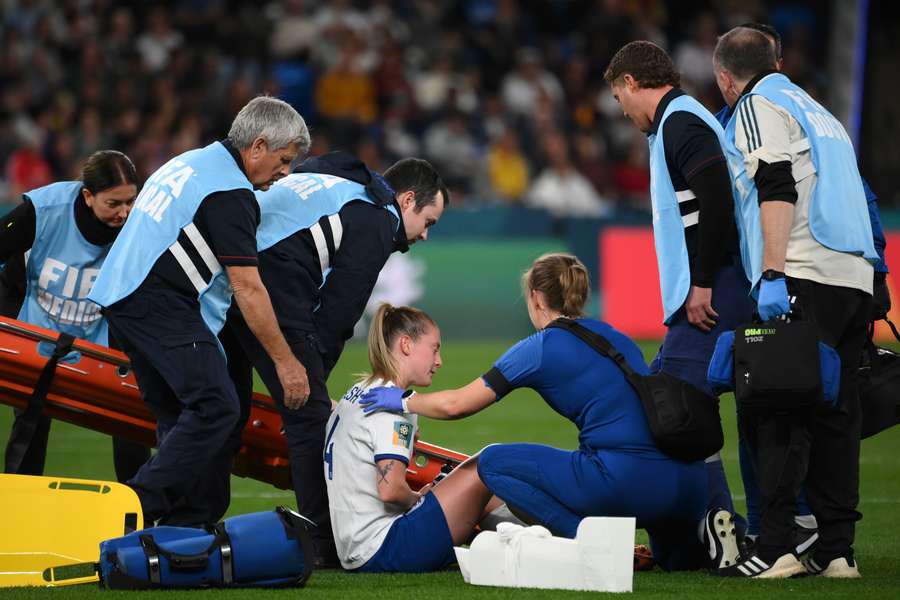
95	388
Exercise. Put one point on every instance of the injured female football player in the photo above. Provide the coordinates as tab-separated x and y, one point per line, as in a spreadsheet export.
380	524
617	469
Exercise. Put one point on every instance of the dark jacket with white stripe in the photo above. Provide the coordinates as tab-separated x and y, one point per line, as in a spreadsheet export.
292	271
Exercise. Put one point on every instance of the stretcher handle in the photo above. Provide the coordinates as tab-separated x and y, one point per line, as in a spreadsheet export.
111	356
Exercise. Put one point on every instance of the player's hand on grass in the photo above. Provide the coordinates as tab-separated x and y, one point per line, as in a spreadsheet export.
389	399
294	382
699	308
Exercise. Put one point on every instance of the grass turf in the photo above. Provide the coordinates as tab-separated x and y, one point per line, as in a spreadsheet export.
522	416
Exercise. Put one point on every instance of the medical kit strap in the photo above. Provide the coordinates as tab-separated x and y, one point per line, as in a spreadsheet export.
23	434
190	562
683	419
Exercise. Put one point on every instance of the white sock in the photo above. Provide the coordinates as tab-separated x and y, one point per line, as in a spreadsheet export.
807	521
501	514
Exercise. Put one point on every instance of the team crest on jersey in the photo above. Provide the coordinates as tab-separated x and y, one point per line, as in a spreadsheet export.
403	433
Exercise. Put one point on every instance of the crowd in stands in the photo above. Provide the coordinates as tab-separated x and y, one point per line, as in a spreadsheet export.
506	98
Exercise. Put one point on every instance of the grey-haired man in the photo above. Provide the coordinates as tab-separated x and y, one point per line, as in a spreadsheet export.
193	235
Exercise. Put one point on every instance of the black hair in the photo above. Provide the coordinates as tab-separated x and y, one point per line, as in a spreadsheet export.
107	169
418	176
744	53
770	31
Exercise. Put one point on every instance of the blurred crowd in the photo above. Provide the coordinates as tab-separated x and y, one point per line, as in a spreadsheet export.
506	98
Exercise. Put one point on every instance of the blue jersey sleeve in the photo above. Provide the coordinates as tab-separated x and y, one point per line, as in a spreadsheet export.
517	367
724	115
877	231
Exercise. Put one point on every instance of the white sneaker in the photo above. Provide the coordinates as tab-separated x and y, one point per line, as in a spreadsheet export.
786	566
839	568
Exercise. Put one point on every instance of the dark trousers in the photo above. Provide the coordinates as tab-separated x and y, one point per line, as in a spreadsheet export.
304	427
185	382
686	351
820	445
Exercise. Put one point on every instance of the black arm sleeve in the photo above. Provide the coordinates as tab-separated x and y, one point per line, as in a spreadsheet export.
17	230
712	186
495	380
230	220
775	181
690	146
367	241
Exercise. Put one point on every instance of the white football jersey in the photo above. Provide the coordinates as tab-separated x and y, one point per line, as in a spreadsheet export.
354	442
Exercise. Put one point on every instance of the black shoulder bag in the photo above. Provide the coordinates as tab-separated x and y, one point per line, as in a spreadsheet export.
879	386
684	420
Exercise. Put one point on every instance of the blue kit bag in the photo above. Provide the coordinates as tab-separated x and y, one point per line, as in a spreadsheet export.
265	549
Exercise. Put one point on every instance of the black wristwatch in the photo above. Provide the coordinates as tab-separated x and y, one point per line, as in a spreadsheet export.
772	275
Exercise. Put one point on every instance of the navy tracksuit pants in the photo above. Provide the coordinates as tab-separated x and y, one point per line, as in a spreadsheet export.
185	382
686	351
304	427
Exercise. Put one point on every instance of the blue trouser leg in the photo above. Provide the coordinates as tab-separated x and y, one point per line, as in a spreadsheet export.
558	488
520	475
686	351
304	427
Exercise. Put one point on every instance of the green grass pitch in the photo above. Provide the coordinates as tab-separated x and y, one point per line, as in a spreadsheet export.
522	416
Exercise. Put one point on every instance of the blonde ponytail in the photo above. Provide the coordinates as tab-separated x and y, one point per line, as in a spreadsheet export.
388	324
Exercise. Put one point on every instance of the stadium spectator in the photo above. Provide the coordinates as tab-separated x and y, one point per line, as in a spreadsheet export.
159	40
449	143
560	188
693	56
346	93
106	56
27	167
508	170
617	469
530	80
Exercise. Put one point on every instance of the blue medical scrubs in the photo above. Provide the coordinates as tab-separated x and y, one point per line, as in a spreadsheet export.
616	470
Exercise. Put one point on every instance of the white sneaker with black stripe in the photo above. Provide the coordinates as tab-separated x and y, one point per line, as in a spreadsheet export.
720	538
839	568
786	566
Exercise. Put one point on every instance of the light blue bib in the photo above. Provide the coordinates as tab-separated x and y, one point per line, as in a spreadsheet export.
61	267
166	206
668	225
838	214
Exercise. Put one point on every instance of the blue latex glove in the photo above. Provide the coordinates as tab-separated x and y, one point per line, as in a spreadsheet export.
389	399
773	299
